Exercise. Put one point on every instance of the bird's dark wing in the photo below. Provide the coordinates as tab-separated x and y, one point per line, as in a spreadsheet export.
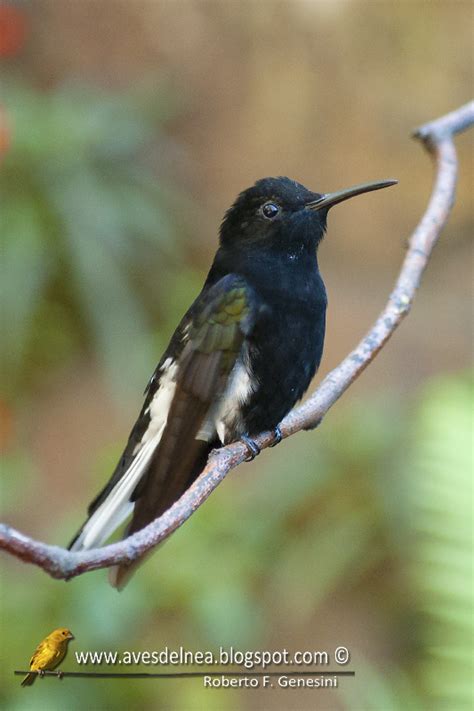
167	447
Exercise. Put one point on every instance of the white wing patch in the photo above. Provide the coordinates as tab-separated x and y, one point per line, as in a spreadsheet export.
160	405
117	506
224	417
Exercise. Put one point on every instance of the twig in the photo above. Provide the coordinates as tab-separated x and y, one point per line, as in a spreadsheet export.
437	137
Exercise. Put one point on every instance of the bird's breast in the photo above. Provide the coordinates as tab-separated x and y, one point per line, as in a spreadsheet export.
284	351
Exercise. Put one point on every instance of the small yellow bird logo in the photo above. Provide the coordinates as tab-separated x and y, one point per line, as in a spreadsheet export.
48	654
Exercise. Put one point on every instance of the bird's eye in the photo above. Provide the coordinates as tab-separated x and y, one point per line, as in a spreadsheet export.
270	210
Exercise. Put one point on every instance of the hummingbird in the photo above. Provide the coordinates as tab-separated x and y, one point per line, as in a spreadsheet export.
243	354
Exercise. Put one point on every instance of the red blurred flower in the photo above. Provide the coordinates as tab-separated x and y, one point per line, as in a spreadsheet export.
12	30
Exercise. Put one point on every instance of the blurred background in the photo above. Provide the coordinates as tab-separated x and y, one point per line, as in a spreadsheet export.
126	130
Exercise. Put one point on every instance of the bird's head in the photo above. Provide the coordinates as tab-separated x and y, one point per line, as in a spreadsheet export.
281	214
62	634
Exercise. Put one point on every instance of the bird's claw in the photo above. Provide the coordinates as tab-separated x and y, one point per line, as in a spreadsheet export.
59	674
41	673
252	448
277	435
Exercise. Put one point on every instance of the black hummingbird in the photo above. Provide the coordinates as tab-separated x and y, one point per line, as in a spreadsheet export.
242	356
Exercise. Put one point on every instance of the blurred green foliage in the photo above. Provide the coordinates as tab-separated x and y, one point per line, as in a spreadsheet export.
441	519
81	209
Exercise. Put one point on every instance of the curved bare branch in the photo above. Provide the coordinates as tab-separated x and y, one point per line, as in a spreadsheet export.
437	137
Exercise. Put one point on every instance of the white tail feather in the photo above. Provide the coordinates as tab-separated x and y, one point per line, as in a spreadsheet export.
117	506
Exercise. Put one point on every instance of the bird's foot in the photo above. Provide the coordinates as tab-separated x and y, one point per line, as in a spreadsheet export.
252	448
59	674
41	673
277	437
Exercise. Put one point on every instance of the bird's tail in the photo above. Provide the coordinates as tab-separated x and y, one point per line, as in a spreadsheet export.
29	679
172	485
166	465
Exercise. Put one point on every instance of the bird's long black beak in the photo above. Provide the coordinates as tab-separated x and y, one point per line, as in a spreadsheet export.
330	199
